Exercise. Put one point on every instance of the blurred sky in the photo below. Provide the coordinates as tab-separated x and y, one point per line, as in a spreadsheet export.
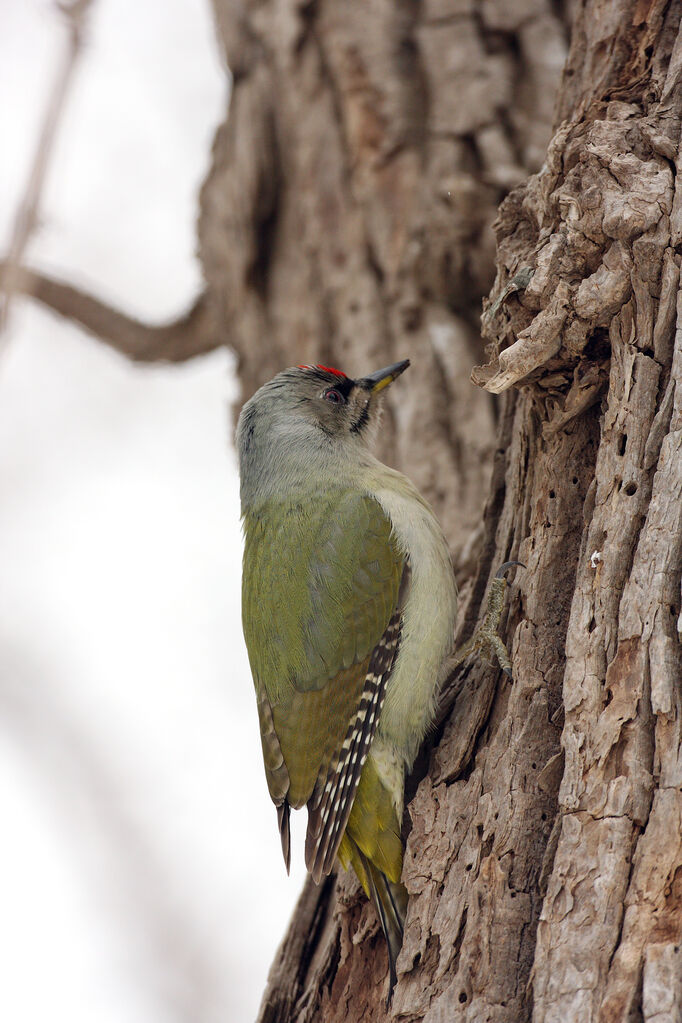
141	872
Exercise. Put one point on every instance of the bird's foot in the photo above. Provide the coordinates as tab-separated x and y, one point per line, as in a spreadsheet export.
485	641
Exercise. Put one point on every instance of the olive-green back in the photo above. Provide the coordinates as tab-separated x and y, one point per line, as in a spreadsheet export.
321	581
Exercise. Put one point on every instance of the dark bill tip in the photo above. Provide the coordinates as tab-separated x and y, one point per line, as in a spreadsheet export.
376	381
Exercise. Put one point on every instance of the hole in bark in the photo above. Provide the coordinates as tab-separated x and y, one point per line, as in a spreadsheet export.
592	626
512	895
630	489
534	766
622	443
468	866
431	954
609	697
598	346
552	494
462	997
575	480
543	816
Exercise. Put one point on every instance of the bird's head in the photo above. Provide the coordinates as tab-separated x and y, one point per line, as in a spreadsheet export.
310	413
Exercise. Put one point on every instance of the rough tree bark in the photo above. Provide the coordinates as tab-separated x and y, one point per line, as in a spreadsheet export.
347	219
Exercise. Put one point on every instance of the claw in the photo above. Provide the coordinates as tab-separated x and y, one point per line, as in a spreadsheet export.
503	568
485	640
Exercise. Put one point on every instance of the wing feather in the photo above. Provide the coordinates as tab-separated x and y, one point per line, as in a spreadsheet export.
328	811
321	599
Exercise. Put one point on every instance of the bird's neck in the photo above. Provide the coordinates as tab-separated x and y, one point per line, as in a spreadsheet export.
284	470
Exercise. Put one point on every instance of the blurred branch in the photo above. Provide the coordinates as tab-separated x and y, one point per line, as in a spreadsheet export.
194	333
27	214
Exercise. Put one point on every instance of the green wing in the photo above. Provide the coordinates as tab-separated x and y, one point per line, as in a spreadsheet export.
321	582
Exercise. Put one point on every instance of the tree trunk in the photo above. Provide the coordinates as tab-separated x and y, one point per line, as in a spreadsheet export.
545	835
348	219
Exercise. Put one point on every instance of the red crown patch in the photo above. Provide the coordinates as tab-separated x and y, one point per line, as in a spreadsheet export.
325	369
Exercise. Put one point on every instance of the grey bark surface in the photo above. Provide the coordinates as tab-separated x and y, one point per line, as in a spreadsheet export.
359	175
347	217
350	217
544	849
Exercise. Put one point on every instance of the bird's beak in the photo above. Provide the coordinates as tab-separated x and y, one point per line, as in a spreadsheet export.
376	382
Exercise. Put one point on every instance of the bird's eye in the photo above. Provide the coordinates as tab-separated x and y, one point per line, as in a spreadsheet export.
334	396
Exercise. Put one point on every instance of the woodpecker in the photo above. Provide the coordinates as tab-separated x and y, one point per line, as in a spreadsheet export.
348	606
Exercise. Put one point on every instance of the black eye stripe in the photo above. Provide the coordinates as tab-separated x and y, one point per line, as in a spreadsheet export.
362	420
344	386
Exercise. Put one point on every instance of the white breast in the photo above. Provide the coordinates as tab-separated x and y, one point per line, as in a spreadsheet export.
428	620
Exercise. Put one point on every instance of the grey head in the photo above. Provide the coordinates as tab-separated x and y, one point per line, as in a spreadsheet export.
308	423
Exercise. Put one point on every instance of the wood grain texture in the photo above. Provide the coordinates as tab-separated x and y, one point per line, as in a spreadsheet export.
598	322
544	848
347	215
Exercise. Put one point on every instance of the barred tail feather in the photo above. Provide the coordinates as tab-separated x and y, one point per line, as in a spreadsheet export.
284	832
332	801
389	899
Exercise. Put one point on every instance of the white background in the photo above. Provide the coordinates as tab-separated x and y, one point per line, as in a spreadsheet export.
140	874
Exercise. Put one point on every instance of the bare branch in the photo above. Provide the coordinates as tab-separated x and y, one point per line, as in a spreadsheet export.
27	214
194	333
